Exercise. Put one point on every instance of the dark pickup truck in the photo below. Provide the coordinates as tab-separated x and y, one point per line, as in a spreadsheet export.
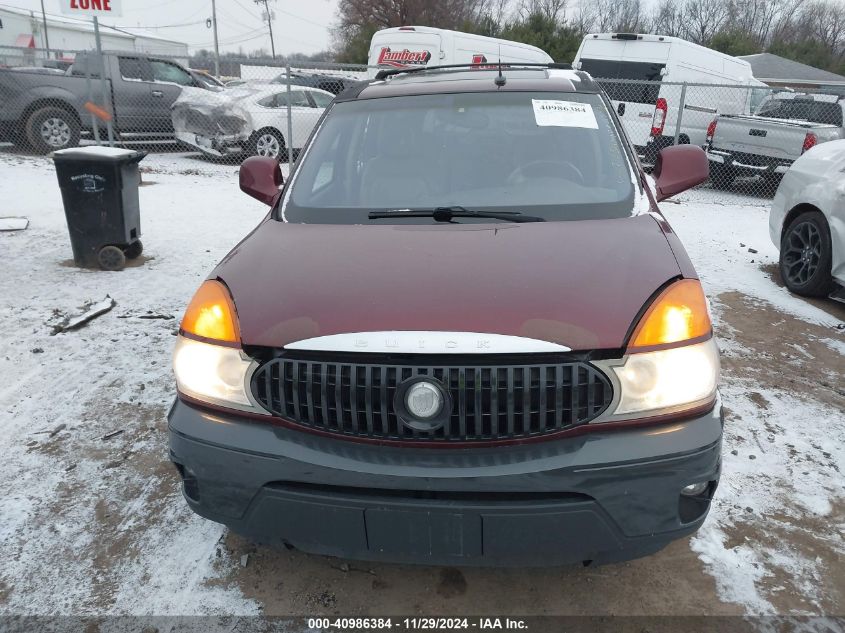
47	112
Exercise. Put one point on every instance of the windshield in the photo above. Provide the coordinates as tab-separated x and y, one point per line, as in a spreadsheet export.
551	155
826	112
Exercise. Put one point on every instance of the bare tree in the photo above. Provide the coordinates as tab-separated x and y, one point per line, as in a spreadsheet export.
828	22
551	9
703	19
388	13
667	18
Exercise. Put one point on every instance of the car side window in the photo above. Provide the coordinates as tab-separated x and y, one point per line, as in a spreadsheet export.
280	100
299	98
268	102
171	73
132	69
321	100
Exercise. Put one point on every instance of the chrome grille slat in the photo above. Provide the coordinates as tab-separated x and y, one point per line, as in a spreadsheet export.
489	402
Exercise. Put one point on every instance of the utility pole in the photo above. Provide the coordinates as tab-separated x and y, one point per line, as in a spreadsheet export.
46	37
216	47
269	15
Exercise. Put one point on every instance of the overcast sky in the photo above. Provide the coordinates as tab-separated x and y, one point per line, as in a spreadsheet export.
300	25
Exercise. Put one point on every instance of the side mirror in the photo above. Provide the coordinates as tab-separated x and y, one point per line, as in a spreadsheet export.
678	168
260	178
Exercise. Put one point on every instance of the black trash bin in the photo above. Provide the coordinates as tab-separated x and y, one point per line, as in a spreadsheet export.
100	194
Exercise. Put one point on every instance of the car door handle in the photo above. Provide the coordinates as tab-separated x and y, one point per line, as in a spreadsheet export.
158	93
621	109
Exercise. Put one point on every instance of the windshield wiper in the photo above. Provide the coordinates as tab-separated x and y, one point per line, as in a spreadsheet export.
445	214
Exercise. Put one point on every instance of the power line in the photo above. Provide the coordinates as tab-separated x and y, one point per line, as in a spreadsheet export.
299	17
230	43
160	26
234	21
248	11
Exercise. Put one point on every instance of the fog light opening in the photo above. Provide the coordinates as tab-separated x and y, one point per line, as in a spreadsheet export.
696	489
190	485
694	500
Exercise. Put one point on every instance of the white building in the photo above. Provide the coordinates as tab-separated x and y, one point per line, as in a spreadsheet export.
22	38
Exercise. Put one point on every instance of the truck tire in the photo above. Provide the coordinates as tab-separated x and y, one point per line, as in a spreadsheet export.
721	177
806	256
18	137
52	128
773	181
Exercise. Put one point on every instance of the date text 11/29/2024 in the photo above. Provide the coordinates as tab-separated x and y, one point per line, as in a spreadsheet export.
417	624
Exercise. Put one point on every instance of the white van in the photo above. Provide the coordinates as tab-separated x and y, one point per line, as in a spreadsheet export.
414	46
649	111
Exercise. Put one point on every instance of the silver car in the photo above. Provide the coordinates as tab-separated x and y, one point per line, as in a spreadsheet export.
807	222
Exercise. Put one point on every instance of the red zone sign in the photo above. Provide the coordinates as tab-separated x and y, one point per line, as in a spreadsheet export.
91	7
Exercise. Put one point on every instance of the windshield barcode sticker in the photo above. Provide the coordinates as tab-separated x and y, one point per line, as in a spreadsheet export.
564	114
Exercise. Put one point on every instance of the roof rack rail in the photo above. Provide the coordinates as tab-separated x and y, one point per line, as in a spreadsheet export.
389	72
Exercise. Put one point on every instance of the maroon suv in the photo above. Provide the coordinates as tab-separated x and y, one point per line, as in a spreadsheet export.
464	334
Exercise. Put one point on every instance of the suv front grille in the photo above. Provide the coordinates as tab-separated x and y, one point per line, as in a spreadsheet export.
497	402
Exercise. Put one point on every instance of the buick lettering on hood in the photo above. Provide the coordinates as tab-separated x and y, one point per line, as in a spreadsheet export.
435	351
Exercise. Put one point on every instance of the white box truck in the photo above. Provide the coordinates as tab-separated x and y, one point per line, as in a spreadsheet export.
415	46
649	111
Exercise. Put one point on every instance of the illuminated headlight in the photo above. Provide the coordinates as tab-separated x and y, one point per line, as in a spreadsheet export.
671	379
212	373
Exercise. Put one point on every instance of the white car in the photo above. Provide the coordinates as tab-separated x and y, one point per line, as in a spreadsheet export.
250	118
807	222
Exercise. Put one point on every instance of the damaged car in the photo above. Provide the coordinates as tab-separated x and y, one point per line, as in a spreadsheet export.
435	351
249	119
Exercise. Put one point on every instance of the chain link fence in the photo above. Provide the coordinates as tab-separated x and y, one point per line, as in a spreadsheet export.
752	133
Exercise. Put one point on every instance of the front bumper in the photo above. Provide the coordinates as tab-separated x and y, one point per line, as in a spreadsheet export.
729	161
217	146
599	497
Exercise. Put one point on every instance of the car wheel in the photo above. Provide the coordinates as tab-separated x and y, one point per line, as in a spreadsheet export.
721	177
806	256
268	142
52	128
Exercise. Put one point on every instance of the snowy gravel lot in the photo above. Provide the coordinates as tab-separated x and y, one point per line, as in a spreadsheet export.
91	518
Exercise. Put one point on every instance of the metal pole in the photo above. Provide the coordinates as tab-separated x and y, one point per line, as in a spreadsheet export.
103	89
95	124
290	122
216	47
270	24
680	112
46	36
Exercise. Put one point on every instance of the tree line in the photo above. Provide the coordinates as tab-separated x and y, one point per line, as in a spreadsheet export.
808	31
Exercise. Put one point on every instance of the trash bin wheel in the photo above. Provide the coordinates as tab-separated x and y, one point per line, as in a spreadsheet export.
111	258
134	250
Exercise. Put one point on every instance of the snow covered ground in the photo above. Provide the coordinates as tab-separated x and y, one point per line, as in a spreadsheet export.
92	519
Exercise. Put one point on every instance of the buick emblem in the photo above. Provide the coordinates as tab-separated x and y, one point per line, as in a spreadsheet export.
422	403
424	400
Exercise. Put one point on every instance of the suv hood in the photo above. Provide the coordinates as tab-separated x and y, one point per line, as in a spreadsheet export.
578	283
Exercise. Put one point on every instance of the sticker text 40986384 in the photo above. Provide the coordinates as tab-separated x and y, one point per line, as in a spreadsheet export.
551	112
